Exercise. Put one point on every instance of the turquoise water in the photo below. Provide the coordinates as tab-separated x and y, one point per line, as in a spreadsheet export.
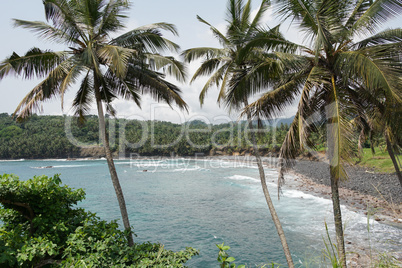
200	203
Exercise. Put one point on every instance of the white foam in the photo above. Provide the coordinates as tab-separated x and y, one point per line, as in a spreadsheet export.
299	194
188	169
62	166
242	178
13	160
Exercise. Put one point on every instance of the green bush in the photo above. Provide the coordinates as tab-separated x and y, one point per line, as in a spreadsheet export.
41	226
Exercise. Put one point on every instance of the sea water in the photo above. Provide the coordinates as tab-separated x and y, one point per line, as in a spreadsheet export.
200	203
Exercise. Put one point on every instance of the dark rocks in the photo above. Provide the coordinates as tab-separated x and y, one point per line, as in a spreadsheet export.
383	186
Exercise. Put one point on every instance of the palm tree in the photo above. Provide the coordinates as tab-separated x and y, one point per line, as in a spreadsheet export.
104	67
223	66
333	77
370	120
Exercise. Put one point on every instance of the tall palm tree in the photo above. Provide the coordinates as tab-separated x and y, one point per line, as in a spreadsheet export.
333	77
223	66
104	67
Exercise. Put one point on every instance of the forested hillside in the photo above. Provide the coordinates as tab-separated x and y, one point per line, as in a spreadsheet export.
62	137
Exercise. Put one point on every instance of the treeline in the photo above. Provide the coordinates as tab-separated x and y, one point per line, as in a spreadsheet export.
48	136
63	137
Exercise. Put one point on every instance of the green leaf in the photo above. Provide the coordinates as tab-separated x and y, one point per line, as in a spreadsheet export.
230	259
224	248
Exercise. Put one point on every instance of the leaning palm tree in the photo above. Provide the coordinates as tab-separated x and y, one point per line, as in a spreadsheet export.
104	67
223	66
332	79
370	120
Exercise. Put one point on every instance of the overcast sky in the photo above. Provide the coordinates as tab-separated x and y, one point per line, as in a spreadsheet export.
192	33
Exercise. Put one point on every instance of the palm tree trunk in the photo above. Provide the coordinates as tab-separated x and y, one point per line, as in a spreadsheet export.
338	219
334	177
112	168
334	137
371	143
268	199
393	158
360	145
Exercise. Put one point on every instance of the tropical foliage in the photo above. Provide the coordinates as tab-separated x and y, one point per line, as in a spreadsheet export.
41	225
46	137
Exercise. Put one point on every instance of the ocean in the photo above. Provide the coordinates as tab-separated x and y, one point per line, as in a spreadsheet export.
199	203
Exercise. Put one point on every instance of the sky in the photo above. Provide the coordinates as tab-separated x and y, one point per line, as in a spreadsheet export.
192	34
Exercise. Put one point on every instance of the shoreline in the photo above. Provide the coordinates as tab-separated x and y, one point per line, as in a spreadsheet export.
359	195
375	187
358	255
312	177
356	199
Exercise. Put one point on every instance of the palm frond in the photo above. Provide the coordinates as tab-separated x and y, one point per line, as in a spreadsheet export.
265	4
289	151
62	13
203	52
209	66
169	65
222	92
274	102
159	26
70	77
215	79
64	74
152	83
247	81
116	58
112	16
234	11
128	90
340	133
245	16
360	7
45	31
221	37
376	14
389	36
35	63
83	98
300	10
268	42
150	40
375	72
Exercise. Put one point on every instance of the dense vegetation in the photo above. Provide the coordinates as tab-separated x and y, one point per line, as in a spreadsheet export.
42	226
47	137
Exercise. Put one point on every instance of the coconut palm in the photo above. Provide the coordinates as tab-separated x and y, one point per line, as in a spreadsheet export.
333	77
223	66
103	66
370	120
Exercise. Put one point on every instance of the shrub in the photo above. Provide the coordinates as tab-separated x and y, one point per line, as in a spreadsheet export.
41	226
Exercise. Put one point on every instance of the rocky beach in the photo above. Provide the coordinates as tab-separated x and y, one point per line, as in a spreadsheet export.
379	196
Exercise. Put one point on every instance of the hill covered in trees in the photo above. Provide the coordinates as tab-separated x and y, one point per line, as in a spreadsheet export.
63	137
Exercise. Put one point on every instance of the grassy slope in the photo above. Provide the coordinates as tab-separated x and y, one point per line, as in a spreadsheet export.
380	162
